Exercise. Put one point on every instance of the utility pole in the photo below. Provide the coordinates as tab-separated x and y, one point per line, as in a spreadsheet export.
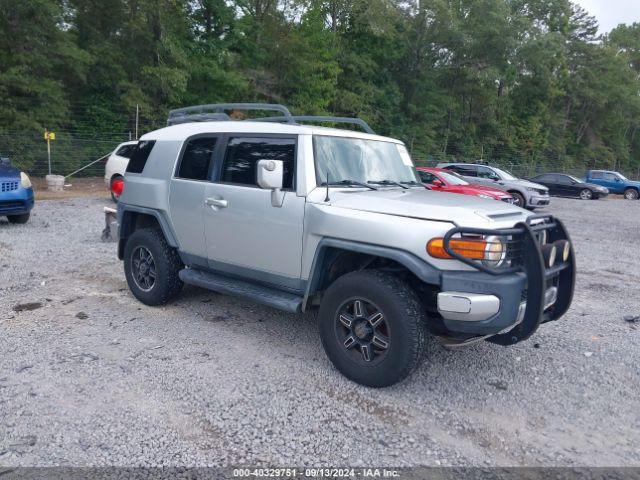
137	117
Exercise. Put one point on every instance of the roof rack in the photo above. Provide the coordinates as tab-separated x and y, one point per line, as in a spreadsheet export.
216	112
322	119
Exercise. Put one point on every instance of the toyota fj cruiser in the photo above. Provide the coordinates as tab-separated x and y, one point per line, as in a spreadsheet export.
301	217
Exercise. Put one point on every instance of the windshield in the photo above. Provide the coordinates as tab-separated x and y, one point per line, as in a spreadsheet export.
452	178
571	177
621	177
361	160
504	174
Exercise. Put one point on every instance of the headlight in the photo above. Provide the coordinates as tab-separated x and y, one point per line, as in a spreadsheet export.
494	252
24	179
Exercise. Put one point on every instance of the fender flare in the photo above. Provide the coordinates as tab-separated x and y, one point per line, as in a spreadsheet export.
421	269
124	227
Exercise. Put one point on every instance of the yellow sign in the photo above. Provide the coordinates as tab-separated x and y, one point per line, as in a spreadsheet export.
49	136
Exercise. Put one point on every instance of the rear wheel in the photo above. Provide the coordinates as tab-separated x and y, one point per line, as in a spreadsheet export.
631	194
151	267
19	218
586	194
372	327
116	188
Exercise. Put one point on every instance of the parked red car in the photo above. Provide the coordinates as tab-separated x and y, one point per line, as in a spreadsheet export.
441	180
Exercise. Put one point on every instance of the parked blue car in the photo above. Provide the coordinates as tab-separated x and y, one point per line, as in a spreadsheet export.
16	193
615	182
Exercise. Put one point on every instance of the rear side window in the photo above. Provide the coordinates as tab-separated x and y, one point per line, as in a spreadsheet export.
599	175
139	156
243	153
196	158
125	151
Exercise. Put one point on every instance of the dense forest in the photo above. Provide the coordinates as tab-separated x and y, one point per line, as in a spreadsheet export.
518	82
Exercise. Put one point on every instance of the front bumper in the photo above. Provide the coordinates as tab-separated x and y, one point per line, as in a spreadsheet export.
539	201
508	305
16	202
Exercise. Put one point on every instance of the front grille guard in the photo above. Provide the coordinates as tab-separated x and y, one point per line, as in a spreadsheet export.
527	258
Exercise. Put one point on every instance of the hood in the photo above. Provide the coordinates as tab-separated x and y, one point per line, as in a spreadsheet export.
524	183
463	210
8	172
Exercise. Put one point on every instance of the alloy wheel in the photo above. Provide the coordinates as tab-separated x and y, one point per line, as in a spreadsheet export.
362	330
143	268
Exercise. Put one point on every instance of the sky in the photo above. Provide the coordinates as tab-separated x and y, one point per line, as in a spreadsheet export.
612	12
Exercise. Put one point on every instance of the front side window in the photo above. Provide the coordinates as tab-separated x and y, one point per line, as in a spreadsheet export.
344	159
485	172
196	158
140	155
503	174
610	177
243	153
453	178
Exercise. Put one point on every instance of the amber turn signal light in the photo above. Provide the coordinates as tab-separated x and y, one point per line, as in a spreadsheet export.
473	249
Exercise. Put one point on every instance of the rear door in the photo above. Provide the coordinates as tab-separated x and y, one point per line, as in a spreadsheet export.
187	193
549	181
245	235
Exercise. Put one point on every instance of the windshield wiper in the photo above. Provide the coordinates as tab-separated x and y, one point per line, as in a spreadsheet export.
388	182
348	183
413	182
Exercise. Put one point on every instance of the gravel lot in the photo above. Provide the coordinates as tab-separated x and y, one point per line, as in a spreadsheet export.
90	376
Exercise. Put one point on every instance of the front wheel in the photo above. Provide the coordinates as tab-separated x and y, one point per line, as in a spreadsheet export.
518	199
586	194
631	194
19	218
372	327
151	267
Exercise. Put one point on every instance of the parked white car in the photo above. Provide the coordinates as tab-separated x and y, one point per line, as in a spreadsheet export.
115	168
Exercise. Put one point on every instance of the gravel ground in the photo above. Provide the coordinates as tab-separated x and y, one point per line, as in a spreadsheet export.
89	376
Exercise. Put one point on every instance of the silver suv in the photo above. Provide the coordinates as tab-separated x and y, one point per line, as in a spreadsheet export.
526	194
301	217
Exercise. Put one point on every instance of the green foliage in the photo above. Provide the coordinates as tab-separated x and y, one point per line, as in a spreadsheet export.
524	83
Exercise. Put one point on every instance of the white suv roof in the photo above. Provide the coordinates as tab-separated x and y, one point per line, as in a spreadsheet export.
183	131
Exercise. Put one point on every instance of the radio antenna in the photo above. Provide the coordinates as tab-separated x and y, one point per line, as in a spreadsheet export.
326	198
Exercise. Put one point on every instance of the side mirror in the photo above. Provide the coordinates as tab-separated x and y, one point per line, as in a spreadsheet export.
437	183
270	175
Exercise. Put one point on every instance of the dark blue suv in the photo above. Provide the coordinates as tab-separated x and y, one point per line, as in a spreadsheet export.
16	193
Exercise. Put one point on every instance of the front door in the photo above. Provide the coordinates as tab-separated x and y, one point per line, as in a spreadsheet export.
245	235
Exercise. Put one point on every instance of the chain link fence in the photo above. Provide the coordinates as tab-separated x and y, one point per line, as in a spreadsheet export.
73	150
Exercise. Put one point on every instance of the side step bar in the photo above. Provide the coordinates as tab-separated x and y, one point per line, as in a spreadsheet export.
239	288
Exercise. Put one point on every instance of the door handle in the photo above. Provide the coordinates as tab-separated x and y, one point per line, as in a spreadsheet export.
217	202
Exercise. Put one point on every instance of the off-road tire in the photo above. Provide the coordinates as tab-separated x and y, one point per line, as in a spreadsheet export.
167	263
519	199
24	218
586	194
402	311
631	194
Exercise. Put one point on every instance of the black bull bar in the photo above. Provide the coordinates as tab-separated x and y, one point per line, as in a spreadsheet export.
524	253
